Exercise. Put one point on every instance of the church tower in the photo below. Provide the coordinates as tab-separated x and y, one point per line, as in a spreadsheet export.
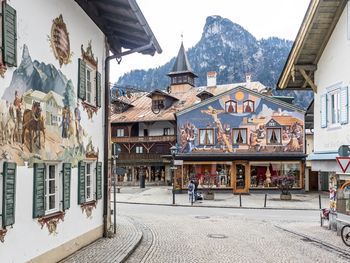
182	76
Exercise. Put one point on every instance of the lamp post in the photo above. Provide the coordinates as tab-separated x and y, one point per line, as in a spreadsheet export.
173	151
115	154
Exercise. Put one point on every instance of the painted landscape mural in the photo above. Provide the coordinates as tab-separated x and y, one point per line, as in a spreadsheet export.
40	115
241	121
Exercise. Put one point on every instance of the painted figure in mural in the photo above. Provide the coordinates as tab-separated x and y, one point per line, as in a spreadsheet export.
18	103
77	116
65	121
33	122
261	131
220	130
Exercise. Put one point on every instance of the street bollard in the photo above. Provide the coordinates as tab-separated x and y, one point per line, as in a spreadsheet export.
240	200
265	200
319	201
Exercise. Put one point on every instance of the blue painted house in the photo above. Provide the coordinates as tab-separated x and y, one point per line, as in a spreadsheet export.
242	139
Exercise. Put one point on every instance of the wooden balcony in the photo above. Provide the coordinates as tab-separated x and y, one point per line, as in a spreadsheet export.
140	158
144	139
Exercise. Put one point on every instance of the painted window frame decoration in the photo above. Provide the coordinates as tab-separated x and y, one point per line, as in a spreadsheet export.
206	140
89	77
228	104
241	134
335	98
271	134
46	215
250	104
59	41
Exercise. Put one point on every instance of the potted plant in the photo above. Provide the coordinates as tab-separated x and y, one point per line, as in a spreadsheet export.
284	183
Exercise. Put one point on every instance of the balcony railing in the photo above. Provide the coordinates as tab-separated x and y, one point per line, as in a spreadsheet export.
139	157
144	139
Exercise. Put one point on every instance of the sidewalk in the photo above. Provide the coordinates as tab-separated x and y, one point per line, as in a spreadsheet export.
108	250
162	195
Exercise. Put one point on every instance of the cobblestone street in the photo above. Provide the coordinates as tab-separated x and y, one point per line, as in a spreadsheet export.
228	239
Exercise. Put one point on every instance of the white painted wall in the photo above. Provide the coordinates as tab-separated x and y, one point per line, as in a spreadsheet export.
26	239
156	129
332	68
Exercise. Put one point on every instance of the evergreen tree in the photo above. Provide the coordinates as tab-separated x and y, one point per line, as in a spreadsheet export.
69	99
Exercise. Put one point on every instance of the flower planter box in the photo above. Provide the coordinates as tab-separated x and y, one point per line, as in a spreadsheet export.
208	196
286	196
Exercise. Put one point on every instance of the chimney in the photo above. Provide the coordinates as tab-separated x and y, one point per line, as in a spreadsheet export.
248	77
211	78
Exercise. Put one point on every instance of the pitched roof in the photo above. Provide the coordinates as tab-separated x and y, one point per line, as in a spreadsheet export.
318	24
123	24
142	110
181	64
57	97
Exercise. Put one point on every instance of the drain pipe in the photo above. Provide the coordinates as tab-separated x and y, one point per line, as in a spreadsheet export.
107	139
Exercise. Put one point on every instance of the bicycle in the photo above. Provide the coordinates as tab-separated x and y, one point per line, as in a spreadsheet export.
345	235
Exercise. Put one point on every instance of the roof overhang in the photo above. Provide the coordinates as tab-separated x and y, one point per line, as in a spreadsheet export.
256	156
123	24
317	27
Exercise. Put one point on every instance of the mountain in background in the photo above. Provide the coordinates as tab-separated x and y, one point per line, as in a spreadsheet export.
231	51
35	75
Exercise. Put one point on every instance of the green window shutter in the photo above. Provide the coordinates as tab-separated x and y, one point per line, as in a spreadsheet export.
9	35
9	194
81	183
67	171
82	80
323	109
39	190
99	180
98	89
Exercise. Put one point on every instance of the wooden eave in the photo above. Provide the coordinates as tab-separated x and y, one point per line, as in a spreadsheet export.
123	24
317	27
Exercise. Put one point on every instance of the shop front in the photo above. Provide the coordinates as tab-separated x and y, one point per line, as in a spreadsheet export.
241	176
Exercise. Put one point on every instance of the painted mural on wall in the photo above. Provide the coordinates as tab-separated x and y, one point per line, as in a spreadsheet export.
40	116
241	122
59	41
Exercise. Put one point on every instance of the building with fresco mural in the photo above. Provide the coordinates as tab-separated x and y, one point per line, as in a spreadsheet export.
238	134
54	147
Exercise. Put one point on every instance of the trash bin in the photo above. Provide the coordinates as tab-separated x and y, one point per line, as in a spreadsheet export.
142	181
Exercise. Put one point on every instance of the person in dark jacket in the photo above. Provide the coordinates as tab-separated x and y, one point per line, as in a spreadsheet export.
195	182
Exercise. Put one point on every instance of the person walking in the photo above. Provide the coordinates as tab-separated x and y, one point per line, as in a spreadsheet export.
195	191
191	192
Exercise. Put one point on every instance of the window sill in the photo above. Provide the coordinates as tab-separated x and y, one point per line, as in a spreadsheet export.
51	221
333	127
90	109
88	206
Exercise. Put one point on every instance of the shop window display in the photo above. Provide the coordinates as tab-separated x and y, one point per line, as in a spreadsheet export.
262	174
343	197
219	174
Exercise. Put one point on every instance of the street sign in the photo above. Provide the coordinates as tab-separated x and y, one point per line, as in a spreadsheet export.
178	162
343	162
344	150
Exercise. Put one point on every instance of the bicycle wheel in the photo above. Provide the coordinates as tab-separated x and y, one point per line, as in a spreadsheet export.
345	235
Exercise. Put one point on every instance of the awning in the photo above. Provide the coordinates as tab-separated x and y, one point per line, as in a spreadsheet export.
123	24
322	156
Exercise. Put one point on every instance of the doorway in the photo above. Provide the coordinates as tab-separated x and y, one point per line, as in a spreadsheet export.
240	178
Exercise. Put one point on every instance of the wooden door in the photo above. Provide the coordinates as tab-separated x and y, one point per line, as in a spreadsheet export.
241	177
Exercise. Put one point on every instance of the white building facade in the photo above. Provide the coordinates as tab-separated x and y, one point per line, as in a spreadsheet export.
54	185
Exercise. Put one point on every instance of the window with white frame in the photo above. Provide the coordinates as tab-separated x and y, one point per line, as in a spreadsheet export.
90	85
239	136
89	181
274	136
120	133
51	188
139	149
166	131
206	136
334	106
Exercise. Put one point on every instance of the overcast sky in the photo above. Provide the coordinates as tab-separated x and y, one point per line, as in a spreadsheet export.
169	19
